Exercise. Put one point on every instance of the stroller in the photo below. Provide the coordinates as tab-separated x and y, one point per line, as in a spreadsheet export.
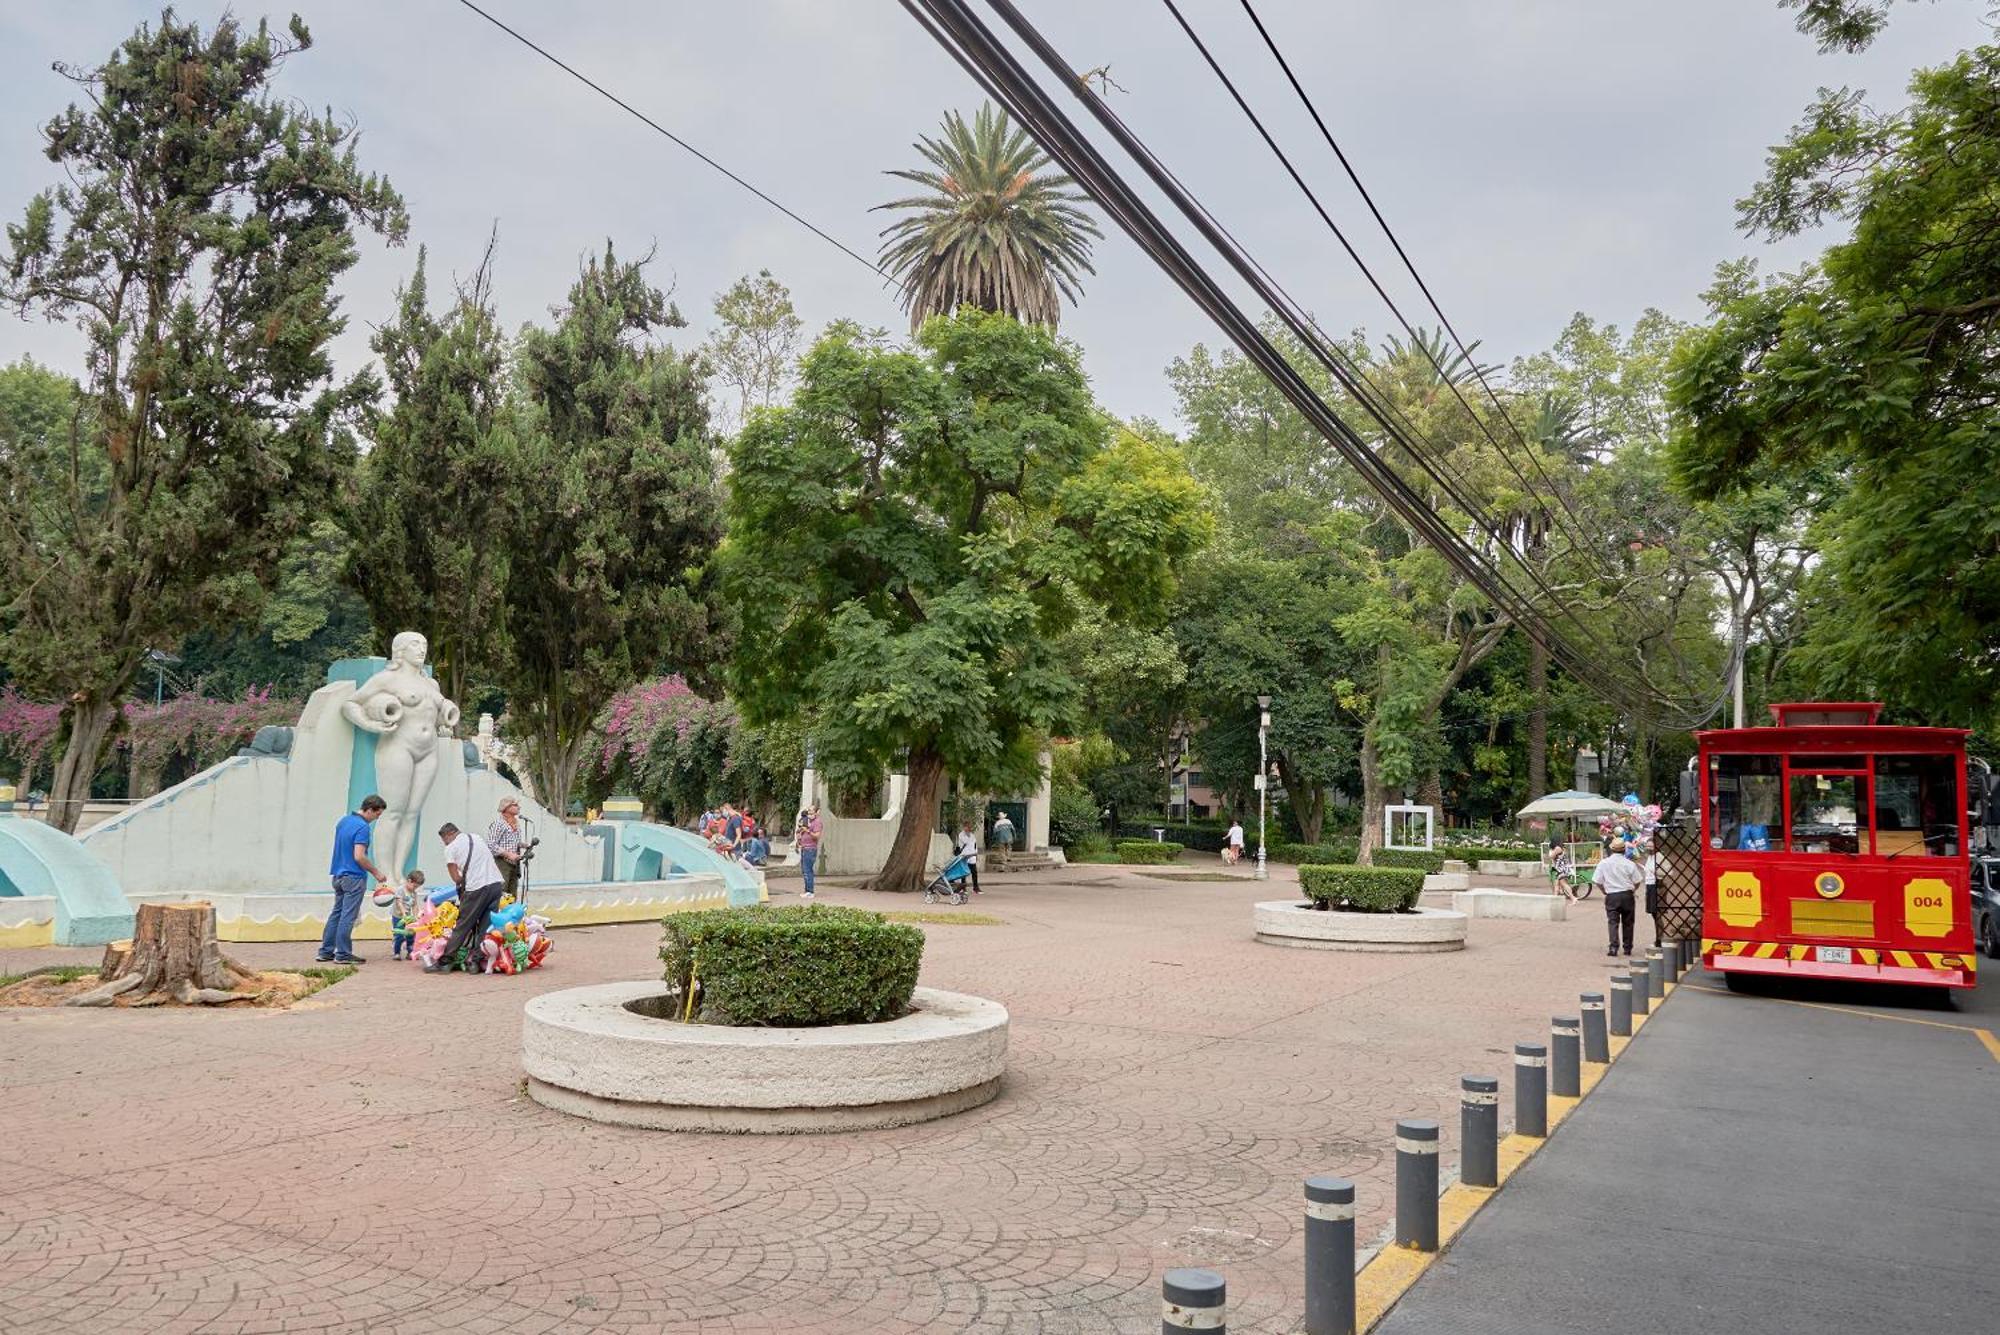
952	882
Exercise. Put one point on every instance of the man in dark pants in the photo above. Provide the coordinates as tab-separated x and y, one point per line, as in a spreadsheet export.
351	869
480	885
1618	876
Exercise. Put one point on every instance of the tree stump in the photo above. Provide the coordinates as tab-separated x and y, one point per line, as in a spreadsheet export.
172	956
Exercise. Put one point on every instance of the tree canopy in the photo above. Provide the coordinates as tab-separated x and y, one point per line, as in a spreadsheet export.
911	536
195	241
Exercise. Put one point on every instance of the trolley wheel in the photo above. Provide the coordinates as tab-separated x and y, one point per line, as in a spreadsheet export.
958	896
1585	890
1989	937
930	895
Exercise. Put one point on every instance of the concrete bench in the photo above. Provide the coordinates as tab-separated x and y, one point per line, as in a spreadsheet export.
1511	904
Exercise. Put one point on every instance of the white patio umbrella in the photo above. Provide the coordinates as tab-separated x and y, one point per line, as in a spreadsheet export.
1572	802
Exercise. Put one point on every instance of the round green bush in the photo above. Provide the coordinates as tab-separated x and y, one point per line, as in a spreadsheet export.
1429	861
1362	889
1338	853
792	967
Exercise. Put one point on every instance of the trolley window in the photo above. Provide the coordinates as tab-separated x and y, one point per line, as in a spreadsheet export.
1916	806
1828	813
1746	803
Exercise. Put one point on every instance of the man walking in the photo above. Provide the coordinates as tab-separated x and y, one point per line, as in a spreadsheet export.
473	870
1232	845
351	869
1618	876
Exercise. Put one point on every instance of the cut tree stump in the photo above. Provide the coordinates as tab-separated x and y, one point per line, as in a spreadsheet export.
172	957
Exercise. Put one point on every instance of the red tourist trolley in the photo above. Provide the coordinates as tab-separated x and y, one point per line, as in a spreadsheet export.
1836	847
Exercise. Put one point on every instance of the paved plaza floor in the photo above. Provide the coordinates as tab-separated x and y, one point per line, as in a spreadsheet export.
367	1162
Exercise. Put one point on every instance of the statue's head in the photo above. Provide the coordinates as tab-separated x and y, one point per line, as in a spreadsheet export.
409	647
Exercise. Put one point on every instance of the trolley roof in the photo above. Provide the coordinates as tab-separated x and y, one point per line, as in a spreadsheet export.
1841	728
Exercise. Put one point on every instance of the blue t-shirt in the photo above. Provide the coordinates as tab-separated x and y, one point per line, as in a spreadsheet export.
353	829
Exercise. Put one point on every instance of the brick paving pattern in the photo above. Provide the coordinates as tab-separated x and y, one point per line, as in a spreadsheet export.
367	1162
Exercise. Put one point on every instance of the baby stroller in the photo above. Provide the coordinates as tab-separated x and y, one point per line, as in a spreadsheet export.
951	882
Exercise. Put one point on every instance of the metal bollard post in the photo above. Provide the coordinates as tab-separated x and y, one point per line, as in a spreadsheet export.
1531	1089
1656	973
1565	1070
1329	1256
1621	1009
1596	1047
1479	1130
1417	1184
1193	1300
1642	990
1670	953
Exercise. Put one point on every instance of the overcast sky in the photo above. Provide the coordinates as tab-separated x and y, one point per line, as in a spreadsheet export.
1537	157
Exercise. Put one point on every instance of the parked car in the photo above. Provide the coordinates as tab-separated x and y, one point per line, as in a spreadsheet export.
1986	905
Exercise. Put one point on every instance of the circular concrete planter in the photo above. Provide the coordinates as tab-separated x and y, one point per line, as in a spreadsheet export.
596	1053
1284	923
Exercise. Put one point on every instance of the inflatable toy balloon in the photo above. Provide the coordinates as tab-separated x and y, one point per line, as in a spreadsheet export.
444	893
384	896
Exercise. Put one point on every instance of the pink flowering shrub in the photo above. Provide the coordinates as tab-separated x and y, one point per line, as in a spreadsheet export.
194	728
680	752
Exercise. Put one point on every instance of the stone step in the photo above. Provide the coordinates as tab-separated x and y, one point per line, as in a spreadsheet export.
1019	862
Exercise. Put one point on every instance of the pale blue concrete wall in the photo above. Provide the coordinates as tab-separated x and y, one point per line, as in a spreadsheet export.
38	859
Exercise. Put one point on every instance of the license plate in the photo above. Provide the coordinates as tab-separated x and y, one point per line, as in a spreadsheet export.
1836	955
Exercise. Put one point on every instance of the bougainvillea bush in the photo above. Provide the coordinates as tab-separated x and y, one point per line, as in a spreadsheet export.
681	753
186	734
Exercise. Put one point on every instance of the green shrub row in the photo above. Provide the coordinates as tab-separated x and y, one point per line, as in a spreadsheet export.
1362	889
798	965
1202	838
1491	853
1146	850
1339	853
1428	861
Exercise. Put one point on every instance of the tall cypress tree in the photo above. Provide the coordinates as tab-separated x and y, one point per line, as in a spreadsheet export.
195	242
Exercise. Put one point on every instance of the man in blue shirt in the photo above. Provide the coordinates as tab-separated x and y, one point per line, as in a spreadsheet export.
351	869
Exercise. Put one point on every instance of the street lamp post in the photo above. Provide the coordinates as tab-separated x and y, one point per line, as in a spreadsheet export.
1263	779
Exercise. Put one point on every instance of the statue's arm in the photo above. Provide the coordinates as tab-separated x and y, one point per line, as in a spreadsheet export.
370	708
448	715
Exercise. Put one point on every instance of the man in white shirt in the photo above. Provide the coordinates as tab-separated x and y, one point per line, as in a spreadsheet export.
477	876
968	848
1235	841
1618	877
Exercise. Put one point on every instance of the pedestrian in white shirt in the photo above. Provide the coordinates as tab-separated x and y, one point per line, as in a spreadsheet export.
480	885
1618	877
968	848
1233	852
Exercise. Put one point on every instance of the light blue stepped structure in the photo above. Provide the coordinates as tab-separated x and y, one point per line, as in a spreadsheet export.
653	852
40	862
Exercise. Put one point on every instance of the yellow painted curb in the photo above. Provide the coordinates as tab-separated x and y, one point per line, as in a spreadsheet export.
1391	1271
28	934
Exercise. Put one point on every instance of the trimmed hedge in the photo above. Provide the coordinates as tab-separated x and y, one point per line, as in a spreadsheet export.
794	966
1430	861
1203	838
1334	854
1147	851
1362	889
1491	853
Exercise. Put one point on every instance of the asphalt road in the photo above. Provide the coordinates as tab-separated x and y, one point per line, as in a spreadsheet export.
1807	1160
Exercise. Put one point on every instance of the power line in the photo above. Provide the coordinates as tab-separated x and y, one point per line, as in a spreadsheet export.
641	116
972	43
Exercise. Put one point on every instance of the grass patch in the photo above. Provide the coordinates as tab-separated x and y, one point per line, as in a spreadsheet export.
62	973
942	919
1074	854
322	976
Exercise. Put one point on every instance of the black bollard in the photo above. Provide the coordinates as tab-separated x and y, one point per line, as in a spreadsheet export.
1193	1300
1479	1130
1596	1047
1621	1009
1671	950
1531	1089
1565	1065
1656	973
1329	1256
1642	991
1417	1184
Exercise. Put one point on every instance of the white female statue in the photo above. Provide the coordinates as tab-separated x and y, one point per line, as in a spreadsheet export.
407	711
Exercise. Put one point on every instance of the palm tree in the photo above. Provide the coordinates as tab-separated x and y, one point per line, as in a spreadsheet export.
995	229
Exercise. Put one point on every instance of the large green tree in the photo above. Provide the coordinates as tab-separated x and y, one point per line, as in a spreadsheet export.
435	514
996	226
609	578
912	536
195	241
755	343
1878	366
